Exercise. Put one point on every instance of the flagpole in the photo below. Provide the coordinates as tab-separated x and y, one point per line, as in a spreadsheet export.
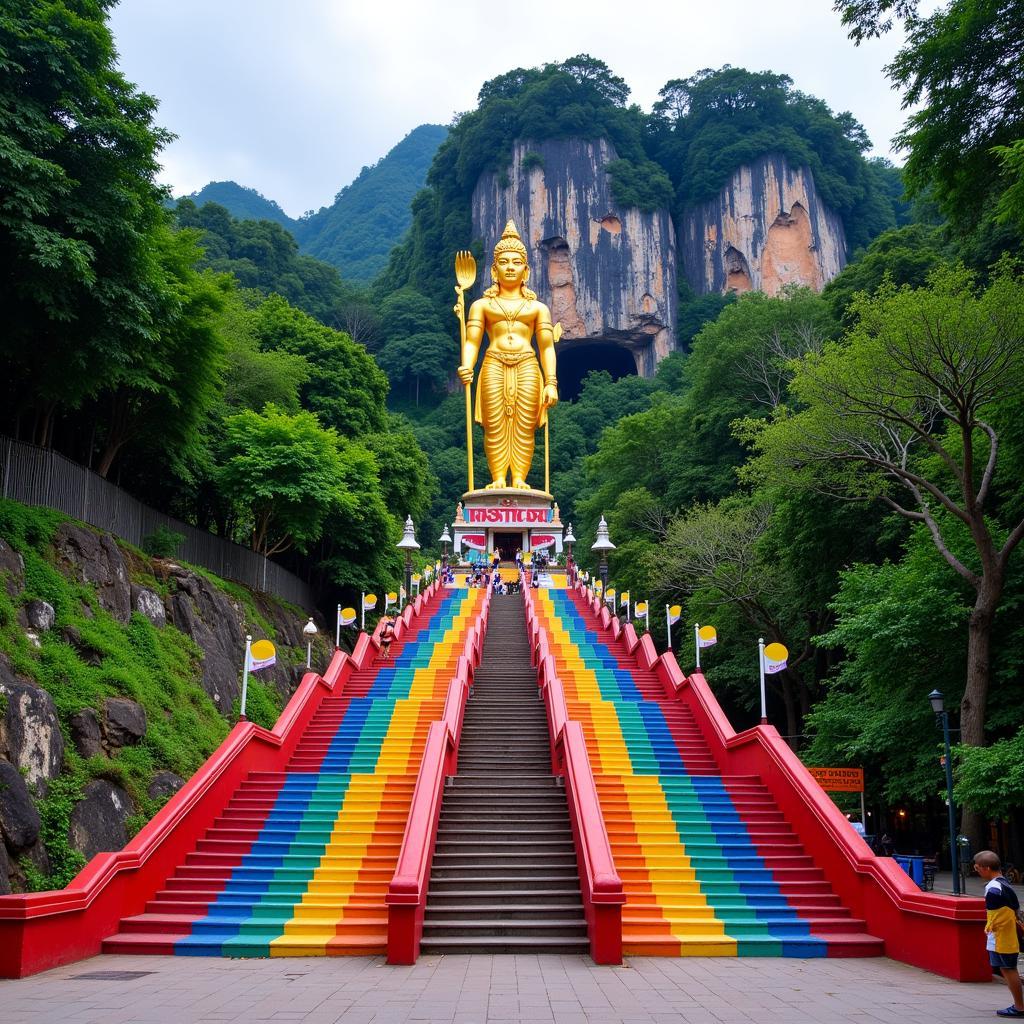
696	641
760	660
245	677
668	626
337	630
362	613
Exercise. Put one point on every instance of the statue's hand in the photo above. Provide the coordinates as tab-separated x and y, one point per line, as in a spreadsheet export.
550	398
465	374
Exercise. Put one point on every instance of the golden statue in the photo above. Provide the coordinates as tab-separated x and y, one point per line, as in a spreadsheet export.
512	400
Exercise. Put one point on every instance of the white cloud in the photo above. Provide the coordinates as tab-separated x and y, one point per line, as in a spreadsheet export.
294	99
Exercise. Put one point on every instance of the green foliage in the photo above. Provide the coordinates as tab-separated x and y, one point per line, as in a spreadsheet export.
640	183
708	125
285	471
242	203
903	628
904	256
371	215
163	542
344	387
81	285
530	161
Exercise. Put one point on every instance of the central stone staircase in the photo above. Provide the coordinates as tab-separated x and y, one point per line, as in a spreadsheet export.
504	876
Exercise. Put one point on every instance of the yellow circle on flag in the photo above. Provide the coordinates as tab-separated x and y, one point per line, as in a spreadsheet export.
348	616
392	597
675	611
709	633
640	607
416	577
776	652
261	650
370	601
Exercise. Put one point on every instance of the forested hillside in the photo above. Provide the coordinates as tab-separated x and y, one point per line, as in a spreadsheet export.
367	218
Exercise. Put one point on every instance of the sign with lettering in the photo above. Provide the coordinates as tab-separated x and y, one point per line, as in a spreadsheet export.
839	780
509	515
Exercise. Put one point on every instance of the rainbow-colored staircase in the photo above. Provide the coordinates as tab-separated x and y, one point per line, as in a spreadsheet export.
709	864
299	862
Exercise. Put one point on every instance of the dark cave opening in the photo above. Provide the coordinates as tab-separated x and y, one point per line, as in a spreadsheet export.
577	359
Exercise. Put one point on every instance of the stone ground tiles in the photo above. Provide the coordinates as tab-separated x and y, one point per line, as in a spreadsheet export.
481	989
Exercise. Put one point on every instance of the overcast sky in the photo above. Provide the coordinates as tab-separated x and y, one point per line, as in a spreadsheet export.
292	99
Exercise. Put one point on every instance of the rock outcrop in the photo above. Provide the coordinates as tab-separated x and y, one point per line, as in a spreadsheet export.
607	272
19	819
99	821
767	228
95	558
30	736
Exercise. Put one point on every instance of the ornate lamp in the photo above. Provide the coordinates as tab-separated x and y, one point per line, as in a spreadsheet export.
602	546
445	539
408	544
309	631
569	540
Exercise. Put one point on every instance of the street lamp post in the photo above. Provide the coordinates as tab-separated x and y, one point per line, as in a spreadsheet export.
408	545
309	631
445	540
938	704
569	540
602	546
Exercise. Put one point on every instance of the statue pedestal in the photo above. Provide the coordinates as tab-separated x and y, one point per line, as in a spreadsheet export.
504	520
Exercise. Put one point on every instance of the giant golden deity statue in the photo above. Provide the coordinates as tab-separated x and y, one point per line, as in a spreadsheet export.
512	396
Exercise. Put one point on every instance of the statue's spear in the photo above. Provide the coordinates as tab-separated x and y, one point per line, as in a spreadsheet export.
556	335
465	276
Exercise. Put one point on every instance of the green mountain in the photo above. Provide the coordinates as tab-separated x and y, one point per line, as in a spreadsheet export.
371	215
242	203
365	221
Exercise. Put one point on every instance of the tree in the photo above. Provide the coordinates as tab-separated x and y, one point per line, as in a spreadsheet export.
907	411
285	472
78	283
158	400
961	67
346	388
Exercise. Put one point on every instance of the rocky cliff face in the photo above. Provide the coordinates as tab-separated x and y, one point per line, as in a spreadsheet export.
607	272
83	678
767	228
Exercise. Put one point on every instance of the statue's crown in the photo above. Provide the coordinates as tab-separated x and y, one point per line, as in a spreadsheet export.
510	241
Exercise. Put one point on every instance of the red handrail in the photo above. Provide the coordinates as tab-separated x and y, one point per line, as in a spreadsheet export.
406	897
46	929
936	932
603	894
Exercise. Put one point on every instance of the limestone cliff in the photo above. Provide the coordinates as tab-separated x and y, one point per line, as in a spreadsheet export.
607	272
766	229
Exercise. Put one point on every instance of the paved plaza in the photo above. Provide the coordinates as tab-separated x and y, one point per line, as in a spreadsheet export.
478	989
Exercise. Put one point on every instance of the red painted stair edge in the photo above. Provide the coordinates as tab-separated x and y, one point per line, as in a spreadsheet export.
42	930
600	883
942	934
406	897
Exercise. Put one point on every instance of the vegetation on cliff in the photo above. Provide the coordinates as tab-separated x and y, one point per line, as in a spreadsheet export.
96	649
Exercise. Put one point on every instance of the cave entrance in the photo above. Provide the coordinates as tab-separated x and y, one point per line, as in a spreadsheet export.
577	359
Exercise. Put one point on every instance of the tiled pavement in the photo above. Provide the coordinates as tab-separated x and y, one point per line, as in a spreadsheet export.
505	989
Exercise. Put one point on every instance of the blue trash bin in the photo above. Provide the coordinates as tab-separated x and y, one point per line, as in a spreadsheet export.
916	870
904	862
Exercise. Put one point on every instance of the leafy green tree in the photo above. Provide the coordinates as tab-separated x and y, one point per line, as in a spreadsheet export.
79	285
158	402
960	67
907	411
408	486
286	472
345	388
904	255
706	126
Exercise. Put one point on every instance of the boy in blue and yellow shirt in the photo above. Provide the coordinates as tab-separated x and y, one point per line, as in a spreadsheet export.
1003	946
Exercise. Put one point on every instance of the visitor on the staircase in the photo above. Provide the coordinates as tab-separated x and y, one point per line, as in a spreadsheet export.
387	634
